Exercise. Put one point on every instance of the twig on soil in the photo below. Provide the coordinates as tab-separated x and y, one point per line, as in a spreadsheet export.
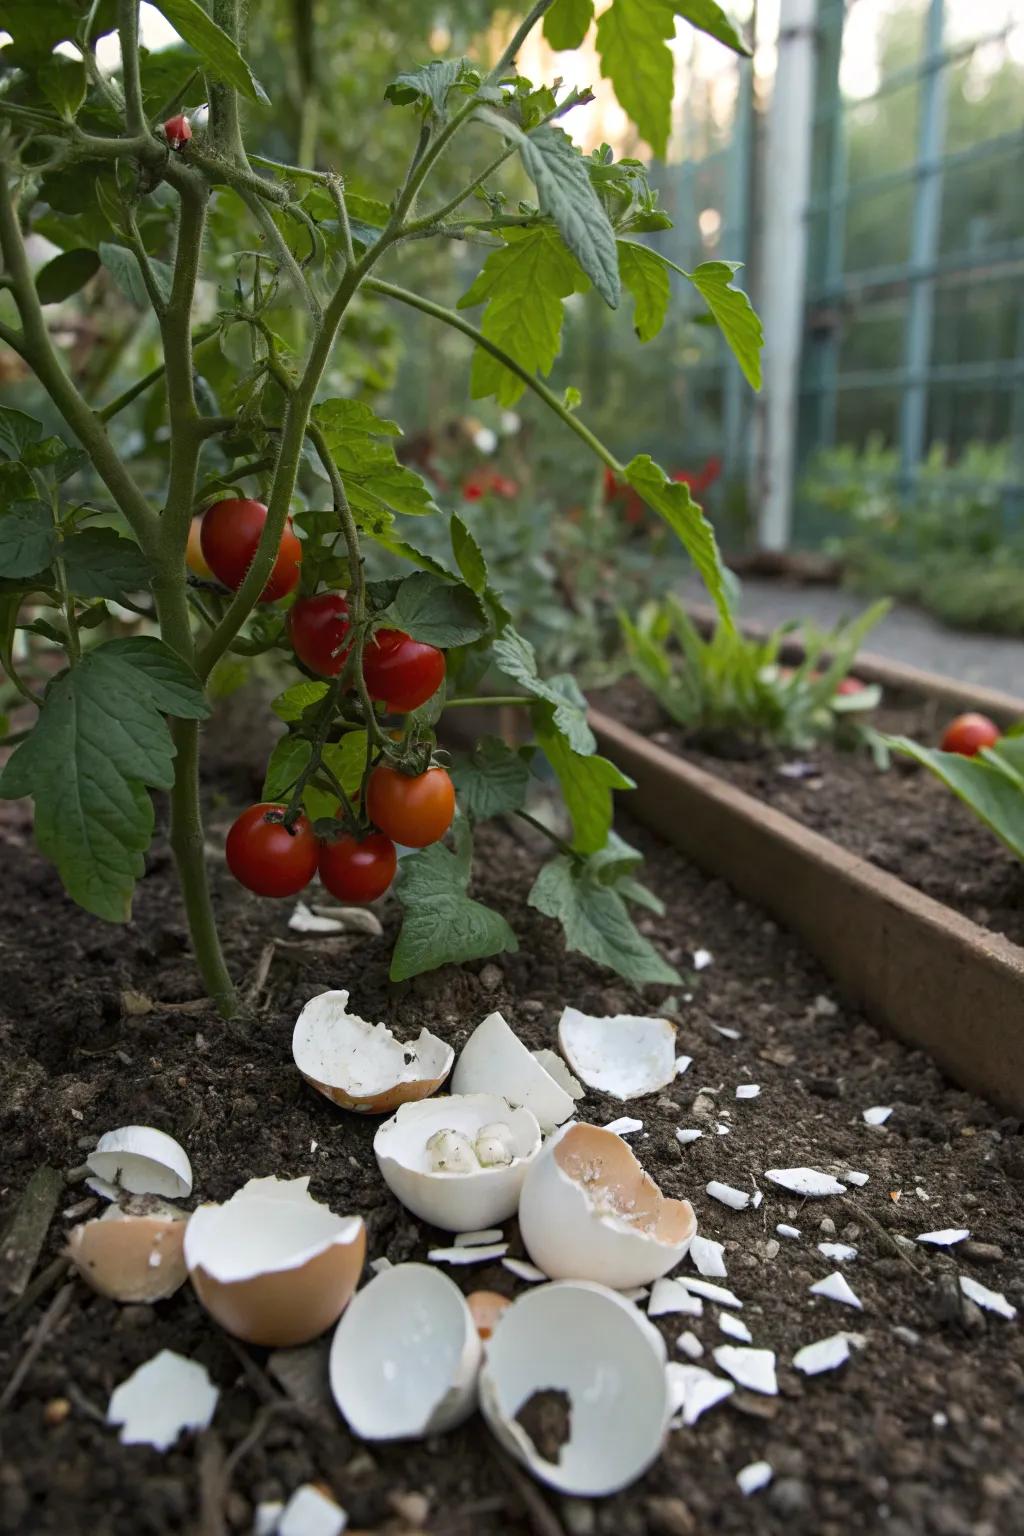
212	1482
876	1226
257	1378
543	1520
24	1238
43	1329
262	971
46	1278
84	1404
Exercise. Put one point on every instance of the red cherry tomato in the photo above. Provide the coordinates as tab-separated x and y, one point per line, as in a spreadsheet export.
194	551
231	531
401	672
177	131
358	869
265	857
411	809
318	628
848	685
967	734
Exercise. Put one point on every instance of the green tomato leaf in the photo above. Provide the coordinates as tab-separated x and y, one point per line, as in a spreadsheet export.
707	16
437	611
99	743
565	25
286	762
16	431
586	784
491	780
215	48
123	266
28	539
427	86
986	788
442	924
516	658
632	42
672	500
523	285
596	921
645	277
62	82
375	482
469	556
99	563
293	703
736	316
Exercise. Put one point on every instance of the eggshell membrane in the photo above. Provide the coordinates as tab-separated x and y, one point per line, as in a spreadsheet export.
495	1060
487	1308
362	1066
623	1055
143	1161
272	1265
457	1202
584	1340
588	1211
405	1356
131	1256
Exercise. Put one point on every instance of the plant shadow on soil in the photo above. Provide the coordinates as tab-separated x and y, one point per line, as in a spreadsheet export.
909	1437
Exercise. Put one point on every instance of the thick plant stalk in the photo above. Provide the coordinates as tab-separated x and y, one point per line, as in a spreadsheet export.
189	859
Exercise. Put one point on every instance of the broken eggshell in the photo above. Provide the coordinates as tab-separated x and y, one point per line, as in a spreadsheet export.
588	1211
495	1060
604	1360
132	1253
361	1066
456	1201
405	1356
272	1265
623	1055
143	1161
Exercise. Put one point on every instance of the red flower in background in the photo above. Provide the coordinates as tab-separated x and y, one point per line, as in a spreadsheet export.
634	508
482	481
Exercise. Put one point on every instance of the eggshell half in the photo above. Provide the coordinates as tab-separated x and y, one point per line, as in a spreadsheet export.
623	1055
588	1211
362	1066
272	1265
495	1060
133	1254
405	1356
458	1202
583	1341
143	1161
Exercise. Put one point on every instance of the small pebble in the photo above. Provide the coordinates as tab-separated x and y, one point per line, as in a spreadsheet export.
981	1253
827	1227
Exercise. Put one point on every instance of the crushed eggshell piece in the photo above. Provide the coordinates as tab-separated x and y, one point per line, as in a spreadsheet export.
805	1181
702	958
835	1287
753	1477
991	1301
683	1064
750	1368
624	1126
692	1391
878	1114
673	1296
852	1176
624	1055
476	1239
166	1395
524	1271
823	1355
784	1230
711	1292
707	1256
686	1134
310	1512
748	1090
689	1344
736	1199
946	1238
842	1253
483	1253
734	1328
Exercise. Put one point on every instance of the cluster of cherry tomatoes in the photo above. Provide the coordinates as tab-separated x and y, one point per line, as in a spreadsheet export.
264	853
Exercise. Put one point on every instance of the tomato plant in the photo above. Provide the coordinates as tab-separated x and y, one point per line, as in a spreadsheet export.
968	733
269	857
165	192
358	869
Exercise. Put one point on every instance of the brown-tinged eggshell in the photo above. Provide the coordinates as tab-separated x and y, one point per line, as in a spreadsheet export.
132	1253
362	1066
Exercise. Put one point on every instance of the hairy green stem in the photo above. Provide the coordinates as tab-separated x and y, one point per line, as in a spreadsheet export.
490	701
187	847
128	30
286	260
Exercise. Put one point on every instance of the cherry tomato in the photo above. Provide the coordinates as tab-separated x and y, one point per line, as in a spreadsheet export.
230	533
848	685
358	869
318	628
265	857
177	131
413	810
401	672
967	734
194	551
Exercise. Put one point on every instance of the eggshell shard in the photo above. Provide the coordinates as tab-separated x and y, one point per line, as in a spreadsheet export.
487	1309
494	1060
623	1055
134	1253
272	1265
405	1356
479	1197
143	1161
362	1066
606	1362
588	1211
155	1403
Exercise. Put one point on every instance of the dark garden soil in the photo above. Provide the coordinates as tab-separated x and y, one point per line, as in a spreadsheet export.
918	1435
903	820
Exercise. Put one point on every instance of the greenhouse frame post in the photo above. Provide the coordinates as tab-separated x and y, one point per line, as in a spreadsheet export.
787	184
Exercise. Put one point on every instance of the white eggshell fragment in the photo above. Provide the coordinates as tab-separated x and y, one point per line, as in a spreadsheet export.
805	1181
692	1391
160	1399
711	1292
456	1201
835	1287
484	1253
133	1253
405	1356
751	1478
495	1061
673	1296
708	1257
588	1211
553	1063
362	1066
605	1360
623	1055
309	1512
734	1328
992	1301
947	1238
523	1271
726	1194
823	1355
142	1161
878	1114
272	1265
750	1368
